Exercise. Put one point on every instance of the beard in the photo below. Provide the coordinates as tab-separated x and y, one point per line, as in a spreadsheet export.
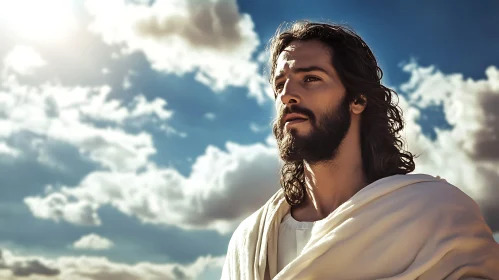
322	141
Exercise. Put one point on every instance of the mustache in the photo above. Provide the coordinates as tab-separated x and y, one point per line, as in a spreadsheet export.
296	109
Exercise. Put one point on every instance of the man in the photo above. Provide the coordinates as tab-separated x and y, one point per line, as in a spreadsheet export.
348	209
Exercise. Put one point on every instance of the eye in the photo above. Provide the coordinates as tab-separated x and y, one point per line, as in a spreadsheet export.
311	79
278	88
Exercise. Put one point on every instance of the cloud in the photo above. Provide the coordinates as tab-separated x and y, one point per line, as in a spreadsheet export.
467	154
99	108
5	149
25	267
209	38
210	116
259	128
14	267
69	115
23	60
172	131
144	107
93	242
57	207
223	188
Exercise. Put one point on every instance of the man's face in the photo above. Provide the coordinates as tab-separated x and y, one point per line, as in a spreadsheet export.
307	85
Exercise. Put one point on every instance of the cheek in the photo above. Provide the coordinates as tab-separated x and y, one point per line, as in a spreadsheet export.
278	108
322	112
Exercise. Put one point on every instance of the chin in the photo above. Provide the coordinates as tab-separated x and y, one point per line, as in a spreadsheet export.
298	130
299	134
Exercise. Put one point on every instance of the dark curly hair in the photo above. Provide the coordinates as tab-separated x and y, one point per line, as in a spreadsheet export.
381	121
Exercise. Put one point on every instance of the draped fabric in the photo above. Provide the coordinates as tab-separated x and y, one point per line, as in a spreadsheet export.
412	226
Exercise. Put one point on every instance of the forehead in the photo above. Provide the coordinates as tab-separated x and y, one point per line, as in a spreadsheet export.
303	54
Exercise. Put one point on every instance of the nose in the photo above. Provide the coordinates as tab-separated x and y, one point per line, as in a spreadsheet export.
289	93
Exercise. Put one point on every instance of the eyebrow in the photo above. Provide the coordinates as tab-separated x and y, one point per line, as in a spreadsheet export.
301	70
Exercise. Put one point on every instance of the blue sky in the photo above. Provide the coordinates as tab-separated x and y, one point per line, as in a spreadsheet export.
135	135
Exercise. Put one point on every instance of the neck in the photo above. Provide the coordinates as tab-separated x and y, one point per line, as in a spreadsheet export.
332	183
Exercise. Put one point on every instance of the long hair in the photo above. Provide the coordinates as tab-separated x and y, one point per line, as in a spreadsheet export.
381	146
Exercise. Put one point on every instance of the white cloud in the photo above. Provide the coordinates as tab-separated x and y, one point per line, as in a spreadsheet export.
126	83
93	242
57	207
223	188
66	114
99	107
145	108
15	267
466	155
210	116
271	141
172	131
209	38
259	128
44	155
23	60
8	150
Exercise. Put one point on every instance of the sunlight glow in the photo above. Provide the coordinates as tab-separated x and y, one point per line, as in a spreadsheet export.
44	21
23	60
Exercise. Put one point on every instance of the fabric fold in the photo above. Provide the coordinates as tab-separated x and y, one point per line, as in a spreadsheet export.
411	226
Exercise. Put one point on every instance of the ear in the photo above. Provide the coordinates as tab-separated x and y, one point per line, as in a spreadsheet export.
359	104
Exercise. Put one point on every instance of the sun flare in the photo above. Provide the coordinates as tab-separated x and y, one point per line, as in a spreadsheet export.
45	21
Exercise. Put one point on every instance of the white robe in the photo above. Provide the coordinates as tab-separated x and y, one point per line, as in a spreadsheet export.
411	226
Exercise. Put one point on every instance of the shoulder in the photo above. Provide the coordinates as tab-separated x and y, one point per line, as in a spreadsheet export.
249	228
439	204
248	224
440	192
417	194
420	201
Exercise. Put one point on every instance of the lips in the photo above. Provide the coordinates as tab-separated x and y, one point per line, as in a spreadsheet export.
293	117
296	120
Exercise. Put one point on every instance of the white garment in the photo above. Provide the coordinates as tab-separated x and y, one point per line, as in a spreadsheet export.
402	227
293	235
